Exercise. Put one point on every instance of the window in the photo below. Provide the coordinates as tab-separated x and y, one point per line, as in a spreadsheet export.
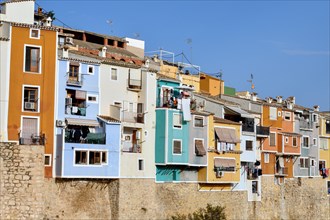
177	120
92	98
90	70
272	139
255	187
177	147
85	157
198	121
314	141
279	113
47	161
323	144
113	74
141	164
312	162
315	119
266	157
80	157
199	147
32	59
286	140
294	141
287	116
249	145
35	33
327	127
272	113
74	72
30	99
305	141
304	162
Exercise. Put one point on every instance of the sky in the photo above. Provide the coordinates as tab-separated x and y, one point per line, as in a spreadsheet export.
283	44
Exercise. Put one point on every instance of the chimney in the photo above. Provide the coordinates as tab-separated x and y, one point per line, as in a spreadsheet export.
103	52
254	96
48	22
279	99
316	108
289	105
65	51
292	99
269	99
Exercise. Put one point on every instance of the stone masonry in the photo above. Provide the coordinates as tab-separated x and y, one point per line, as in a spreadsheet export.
26	194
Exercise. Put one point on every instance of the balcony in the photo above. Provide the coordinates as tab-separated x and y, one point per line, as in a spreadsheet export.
74	79
75	110
34	139
132	148
304	124
253	173
262	131
90	138
117	112
281	171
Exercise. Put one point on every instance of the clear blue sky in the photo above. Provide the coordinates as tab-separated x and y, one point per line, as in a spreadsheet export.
284	44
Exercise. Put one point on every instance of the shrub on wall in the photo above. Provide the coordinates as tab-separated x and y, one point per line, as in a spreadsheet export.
208	213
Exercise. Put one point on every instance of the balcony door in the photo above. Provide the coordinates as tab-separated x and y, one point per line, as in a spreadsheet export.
29	129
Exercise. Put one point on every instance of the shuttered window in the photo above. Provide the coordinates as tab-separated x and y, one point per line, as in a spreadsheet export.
272	139
113	74
199	148
29	127
177	121
272	113
177	147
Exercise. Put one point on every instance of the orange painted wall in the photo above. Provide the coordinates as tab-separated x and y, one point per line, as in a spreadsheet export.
289	148
268	168
211	85
271	123
46	81
266	143
287	125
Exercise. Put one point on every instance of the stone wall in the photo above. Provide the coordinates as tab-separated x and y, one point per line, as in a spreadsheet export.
26	194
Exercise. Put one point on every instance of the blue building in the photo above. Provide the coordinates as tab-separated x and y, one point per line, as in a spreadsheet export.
87	144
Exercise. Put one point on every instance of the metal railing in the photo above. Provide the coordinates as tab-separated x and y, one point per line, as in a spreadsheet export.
134	84
91	138
34	139
282	171
261	130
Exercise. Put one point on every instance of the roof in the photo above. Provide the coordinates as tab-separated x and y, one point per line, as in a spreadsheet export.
203	113
164	77
225	121
14	1
108	119
78	58
82	122
216	99
239	111
48	28
290	134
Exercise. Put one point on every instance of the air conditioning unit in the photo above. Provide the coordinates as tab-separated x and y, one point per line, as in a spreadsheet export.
68	101
60	123
69	40
138	135
218	173
29	105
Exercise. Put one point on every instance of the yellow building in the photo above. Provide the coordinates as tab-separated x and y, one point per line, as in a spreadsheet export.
223	170
324	160
211	85
32	88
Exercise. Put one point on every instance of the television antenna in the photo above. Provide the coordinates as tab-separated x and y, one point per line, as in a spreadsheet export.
110	22
189	42
251	81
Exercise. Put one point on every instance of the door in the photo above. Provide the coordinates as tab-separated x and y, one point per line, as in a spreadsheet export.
29	129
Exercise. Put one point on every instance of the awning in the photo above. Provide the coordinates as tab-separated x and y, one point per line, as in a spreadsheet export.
199	148
238	111
82	122
224	162
226	135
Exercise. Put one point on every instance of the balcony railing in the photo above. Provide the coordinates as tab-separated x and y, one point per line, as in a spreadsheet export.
134	84
262	130
34	139
74	80
75	110
118	113
132	148
305	124
91	138
281	171
247	128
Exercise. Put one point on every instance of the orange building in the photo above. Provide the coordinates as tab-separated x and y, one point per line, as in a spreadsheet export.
32	88
211	85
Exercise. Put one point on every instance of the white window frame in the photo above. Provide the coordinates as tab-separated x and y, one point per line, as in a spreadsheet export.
93	69
111	74
266	157
325	145
38	102
286	139
50	160
270	138
252	145
40	59
302	141
88	159
314	141
180	146
180	128
92	95
287	114
34	29
143	164
195	139
199	117
272	116
304	158
26	116
316	117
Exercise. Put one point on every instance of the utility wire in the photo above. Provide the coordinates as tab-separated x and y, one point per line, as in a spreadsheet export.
64	24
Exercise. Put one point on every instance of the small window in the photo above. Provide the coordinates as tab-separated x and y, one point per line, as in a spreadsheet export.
32	59
279	113
30	99
314	141
113	74
48	160
266	157
304	162
94	157
104	157
90	70
315	119
255	187
198	121
35	33
141	164
294	141
177	122
287	116
249	145
305	141
80	157
272	113
92	98
286	140
312	162
177	148
272	139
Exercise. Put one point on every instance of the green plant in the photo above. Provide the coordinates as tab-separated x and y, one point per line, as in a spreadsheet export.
208	213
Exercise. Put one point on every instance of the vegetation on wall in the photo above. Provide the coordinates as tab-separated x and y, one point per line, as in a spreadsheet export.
208	213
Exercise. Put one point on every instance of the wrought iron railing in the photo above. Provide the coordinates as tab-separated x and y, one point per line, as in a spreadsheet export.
261	130
34	139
